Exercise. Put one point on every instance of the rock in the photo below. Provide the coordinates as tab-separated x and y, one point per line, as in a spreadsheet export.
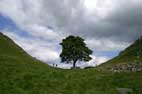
129	67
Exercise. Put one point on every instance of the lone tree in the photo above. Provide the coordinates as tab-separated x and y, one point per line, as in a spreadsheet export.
74	49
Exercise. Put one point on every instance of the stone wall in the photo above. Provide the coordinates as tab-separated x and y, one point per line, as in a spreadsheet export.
129	67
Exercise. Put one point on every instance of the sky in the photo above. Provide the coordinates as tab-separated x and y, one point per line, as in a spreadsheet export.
38	26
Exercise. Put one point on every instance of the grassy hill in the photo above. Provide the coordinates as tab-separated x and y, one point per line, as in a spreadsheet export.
22	74
131	55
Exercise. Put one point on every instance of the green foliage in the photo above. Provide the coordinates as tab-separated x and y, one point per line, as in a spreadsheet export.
74	49
22	74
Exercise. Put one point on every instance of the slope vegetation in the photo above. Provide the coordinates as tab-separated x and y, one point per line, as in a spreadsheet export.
131	55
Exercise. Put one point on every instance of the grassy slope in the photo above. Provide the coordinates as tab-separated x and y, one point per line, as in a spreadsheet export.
21	74
129	55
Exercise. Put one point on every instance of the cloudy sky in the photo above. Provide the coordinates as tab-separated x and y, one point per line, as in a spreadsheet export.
38	26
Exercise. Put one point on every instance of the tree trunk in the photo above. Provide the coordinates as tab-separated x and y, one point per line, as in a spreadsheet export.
74	64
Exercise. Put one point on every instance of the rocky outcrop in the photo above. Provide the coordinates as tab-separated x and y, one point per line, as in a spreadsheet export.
129	67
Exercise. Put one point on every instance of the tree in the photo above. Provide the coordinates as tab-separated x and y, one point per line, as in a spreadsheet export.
74	49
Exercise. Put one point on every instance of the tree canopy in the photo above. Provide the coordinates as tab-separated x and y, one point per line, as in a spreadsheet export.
74	49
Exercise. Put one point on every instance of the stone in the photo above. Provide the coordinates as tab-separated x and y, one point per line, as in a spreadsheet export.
129	67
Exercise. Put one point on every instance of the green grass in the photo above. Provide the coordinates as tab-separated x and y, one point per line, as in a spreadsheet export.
22	74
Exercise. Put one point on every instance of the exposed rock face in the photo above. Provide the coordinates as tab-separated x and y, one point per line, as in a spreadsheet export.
129	67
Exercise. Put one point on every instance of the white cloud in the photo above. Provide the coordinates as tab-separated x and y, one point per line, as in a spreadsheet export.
97	60
101	8
106	44
69	17
64	66
101	59
43	32
45	54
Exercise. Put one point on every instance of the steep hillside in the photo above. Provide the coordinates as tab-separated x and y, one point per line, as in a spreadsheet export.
134	50
22	74
132	53
130	56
